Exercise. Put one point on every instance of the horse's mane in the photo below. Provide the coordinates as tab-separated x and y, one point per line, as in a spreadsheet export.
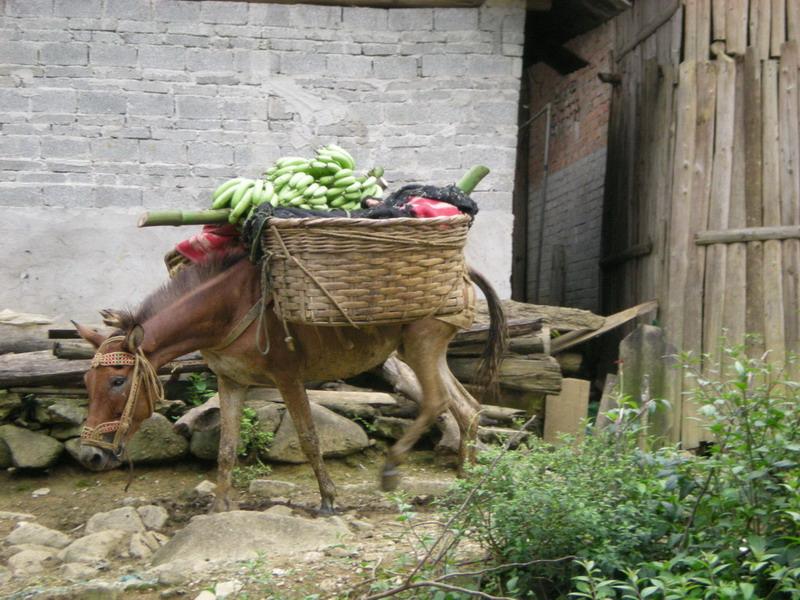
184	281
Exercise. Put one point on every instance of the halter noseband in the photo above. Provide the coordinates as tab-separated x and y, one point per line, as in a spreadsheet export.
144	375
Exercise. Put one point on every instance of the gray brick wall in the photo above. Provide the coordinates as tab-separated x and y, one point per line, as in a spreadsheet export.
136	104
572	219
195	82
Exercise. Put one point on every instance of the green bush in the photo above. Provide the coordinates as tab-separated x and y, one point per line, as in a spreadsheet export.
661	524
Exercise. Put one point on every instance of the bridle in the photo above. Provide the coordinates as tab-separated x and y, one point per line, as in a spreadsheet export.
144	378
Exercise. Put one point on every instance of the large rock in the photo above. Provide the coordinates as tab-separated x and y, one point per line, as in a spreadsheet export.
338	437
153	517
270	416
205	443
221	537
96	546
157	442
30	562
391	428
64	431
28	449
5	455
33	533
67	410
123	519
9	404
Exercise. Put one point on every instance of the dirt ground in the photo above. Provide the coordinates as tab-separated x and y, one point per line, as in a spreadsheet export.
382	541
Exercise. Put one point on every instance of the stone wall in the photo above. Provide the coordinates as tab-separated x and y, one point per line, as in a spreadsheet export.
112	107
577	164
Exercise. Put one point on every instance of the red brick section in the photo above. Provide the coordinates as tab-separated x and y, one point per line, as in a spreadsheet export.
580	105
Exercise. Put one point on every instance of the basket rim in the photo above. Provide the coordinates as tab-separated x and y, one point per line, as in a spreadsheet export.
339	221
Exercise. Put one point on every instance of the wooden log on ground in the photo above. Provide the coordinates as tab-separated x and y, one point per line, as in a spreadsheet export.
535	374
571	363
479	333
73	350
558	318
350	404
28	338
42	368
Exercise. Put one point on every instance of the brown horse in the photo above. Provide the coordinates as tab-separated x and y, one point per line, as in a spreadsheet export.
209	307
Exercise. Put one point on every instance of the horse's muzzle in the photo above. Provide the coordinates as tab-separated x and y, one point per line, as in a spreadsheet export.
97	459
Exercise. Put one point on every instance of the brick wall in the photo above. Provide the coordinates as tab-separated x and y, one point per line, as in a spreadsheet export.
578	134
111	107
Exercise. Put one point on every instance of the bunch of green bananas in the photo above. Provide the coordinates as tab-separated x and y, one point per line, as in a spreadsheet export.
327	181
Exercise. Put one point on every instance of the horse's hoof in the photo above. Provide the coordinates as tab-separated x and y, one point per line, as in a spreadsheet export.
223	505
390	479
326	507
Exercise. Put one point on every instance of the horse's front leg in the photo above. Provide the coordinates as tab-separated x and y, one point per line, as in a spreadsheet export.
231	396
296	400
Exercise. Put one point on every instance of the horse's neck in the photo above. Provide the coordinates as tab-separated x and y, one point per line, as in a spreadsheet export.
202	317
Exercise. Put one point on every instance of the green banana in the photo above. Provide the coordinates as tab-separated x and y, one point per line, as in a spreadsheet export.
218	192
241	189
279	182
342	173
224	199
345	181
242	206
268	193
333	192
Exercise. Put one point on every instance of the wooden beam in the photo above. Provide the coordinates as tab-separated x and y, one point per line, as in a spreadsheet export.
747	234
666	13
637	251
568	340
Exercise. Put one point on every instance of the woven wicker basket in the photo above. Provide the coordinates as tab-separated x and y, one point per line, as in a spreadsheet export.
366	271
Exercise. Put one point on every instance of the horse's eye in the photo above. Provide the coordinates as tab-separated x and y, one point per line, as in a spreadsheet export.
117	381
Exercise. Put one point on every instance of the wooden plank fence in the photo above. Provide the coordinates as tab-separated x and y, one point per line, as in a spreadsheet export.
704	166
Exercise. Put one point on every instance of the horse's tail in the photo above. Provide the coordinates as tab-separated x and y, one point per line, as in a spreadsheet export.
497	343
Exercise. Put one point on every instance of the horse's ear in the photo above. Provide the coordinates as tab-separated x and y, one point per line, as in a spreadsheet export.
95	338
111	318
134	339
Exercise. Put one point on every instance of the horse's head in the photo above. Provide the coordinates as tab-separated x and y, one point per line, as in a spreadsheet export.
123	387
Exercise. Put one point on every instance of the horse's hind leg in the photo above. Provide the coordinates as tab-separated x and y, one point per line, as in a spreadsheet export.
425	351
467	415
231	396
296	400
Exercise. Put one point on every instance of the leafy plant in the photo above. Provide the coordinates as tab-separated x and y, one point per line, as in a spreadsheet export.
602	518
252	438
242	475
202	386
